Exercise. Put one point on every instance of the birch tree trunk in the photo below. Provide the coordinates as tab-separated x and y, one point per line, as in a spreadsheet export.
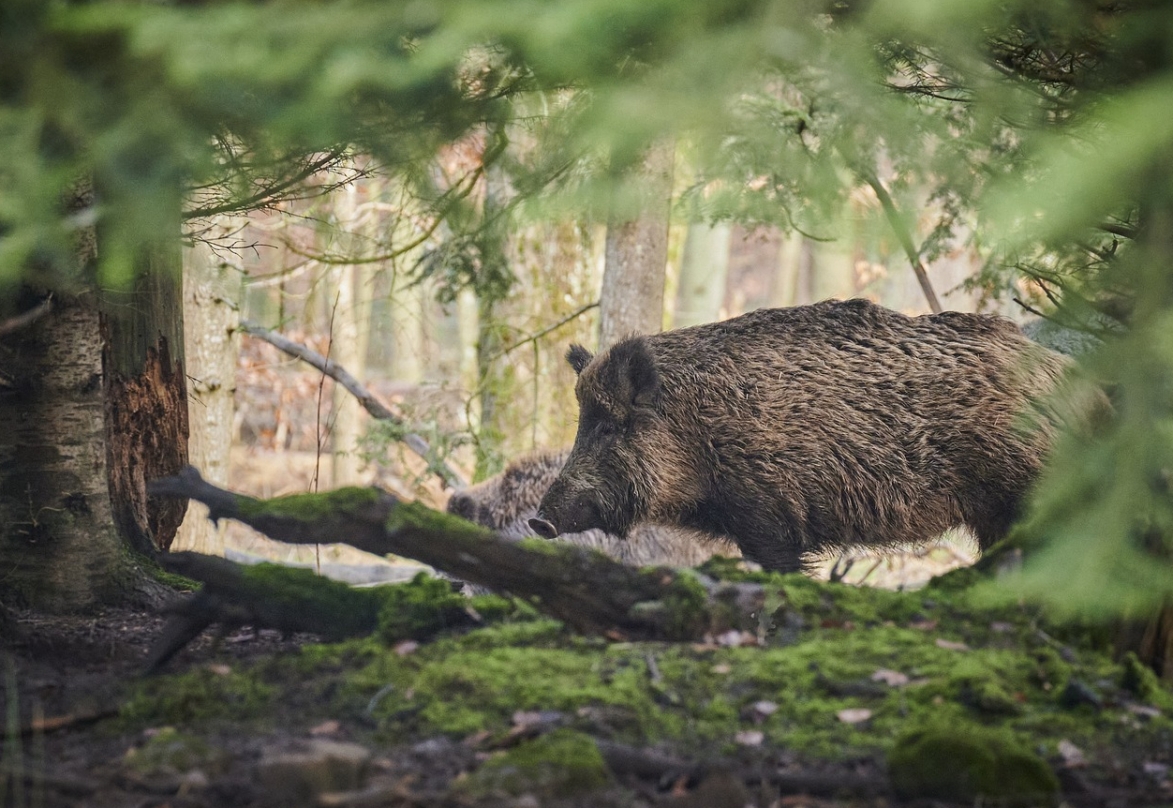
349	327
703	271
58	545
636	256
95	406
212	292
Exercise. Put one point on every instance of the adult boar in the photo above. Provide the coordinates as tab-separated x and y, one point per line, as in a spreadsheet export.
807	429
509	500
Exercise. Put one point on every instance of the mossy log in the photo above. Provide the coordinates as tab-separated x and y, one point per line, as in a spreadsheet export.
586	590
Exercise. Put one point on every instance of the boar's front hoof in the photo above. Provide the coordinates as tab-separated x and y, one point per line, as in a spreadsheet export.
543	527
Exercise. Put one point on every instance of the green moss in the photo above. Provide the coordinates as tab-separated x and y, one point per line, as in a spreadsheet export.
1138	678
276	592
198	695
172	752
965	763
543	546
820	657
495	608
561	764
420	608
686	603
309	507
417	515
1051	670
988	688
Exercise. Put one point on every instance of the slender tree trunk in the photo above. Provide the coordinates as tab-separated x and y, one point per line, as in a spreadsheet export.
636	257
211	310
703	270
494	377
784	288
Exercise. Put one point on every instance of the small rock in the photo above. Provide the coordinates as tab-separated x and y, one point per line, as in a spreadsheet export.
749	737
331	727
1144	711
194	780
765	708
319	766
537	718
950	645
1078	693
1072	755
854	715
890	677
1158	771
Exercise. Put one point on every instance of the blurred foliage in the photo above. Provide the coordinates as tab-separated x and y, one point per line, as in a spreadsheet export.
1039	132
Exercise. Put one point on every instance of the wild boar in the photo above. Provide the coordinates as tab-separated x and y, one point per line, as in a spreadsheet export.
808	429
508	501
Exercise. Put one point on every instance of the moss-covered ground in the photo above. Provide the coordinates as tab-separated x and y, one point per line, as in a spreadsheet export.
948	688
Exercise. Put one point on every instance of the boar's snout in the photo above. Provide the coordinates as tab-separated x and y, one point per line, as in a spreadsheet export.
543	527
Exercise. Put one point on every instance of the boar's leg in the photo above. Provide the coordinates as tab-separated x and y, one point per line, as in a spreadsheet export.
777	559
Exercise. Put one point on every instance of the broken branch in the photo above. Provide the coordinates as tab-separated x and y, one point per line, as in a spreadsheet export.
582	588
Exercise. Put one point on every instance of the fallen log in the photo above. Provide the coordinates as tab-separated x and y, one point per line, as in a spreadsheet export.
584	589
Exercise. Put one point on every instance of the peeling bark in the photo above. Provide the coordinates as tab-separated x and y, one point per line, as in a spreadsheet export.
146	401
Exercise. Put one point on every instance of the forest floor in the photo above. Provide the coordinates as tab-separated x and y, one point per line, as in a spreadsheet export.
846	696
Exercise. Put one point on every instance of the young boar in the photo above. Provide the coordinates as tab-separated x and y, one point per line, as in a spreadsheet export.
807	429
508	501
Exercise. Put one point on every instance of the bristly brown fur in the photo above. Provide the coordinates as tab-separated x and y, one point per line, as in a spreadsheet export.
578	357
810	428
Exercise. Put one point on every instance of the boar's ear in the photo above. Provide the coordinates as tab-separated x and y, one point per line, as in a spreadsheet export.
638	380
578	357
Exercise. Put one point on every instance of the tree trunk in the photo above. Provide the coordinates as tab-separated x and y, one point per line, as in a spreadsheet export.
94	405
58	547
146	398
211	297
494	377
703	270
636	256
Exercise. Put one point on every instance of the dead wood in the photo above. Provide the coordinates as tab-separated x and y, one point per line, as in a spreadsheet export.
369	402
235	595
583	588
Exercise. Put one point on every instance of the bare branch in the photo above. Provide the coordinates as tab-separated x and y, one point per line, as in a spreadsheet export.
904	236
27	318
574	315
366	398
